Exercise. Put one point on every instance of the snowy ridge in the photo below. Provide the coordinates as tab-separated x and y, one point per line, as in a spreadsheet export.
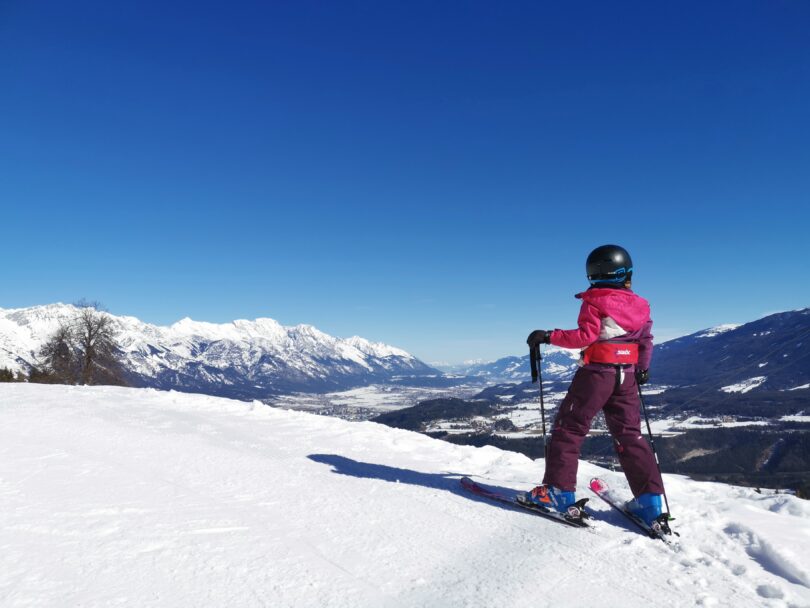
717	330
243	358
375	349
113	496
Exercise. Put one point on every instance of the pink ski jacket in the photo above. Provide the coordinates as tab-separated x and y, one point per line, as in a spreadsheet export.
618	315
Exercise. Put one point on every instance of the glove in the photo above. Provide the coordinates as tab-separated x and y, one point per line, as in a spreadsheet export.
642	376
537	337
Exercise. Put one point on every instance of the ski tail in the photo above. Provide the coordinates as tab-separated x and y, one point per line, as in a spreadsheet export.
659	529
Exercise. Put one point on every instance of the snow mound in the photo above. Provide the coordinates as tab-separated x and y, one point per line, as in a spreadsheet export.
112	496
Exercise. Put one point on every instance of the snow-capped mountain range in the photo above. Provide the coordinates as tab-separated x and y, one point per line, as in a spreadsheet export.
245	359
558	364
770	353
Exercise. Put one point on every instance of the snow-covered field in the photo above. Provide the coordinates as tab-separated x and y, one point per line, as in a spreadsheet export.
525	415
368	401
653	389
745	385
128	497
675	426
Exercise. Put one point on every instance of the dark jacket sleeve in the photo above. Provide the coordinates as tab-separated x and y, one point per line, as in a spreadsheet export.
645	346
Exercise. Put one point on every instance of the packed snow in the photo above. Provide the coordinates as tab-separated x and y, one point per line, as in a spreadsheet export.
113	496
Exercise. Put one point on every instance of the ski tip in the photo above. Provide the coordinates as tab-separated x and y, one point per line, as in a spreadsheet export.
597	485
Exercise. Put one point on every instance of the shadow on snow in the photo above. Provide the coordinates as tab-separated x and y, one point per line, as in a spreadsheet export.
447	482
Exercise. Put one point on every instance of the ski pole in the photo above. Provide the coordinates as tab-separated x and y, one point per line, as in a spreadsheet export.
536	360
652	444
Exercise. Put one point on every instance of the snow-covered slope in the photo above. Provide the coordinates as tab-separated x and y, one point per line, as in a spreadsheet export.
769	354
136	497
247	359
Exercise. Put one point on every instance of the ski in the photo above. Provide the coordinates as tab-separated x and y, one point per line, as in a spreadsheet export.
660	528
575	517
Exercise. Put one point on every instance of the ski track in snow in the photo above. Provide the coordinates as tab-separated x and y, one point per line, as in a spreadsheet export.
136	497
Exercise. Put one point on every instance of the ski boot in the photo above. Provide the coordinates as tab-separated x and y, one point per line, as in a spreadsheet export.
552	498
646	507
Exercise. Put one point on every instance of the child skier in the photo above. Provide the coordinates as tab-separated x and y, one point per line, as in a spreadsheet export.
615	333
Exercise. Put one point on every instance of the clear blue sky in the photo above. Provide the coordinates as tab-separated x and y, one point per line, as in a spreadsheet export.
428	174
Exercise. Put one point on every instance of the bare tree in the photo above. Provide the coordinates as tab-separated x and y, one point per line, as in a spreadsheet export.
96	340
84	350
60	358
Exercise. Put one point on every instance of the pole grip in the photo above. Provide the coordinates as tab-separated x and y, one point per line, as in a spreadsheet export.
535	358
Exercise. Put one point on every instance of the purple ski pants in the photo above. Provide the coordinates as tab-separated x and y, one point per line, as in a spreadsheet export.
597	388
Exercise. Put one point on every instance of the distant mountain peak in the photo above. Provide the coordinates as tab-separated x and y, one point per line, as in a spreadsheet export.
377	349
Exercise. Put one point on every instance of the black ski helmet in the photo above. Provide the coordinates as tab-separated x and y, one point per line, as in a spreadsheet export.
609	264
